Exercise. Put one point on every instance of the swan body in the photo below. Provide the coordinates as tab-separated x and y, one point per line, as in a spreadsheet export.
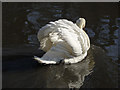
63	40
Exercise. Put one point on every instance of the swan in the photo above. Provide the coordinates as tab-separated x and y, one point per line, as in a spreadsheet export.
63	40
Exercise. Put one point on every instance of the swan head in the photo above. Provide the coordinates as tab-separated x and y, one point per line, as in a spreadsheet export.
81	23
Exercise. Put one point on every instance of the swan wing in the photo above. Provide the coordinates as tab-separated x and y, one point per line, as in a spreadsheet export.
62	39
54	26
55	54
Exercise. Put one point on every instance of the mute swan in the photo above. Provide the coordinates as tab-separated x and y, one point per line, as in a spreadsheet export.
63	40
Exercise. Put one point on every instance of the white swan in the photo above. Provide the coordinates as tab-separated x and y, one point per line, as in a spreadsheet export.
63	40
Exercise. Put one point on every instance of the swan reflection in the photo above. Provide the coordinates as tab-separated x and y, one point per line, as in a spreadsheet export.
95	69
68	76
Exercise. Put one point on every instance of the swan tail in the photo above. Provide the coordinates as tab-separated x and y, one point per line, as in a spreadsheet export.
40	60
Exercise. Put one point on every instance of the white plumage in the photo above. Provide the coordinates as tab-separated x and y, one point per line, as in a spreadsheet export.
63	40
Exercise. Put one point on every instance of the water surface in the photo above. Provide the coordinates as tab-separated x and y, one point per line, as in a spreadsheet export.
21	22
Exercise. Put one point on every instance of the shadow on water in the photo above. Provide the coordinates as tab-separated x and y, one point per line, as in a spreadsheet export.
21	22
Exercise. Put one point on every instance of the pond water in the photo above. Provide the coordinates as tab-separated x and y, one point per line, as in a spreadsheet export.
20	24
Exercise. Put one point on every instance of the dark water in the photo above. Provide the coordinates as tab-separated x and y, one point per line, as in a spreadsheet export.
21	22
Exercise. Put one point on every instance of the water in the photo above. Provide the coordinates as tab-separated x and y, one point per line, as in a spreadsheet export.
21	22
